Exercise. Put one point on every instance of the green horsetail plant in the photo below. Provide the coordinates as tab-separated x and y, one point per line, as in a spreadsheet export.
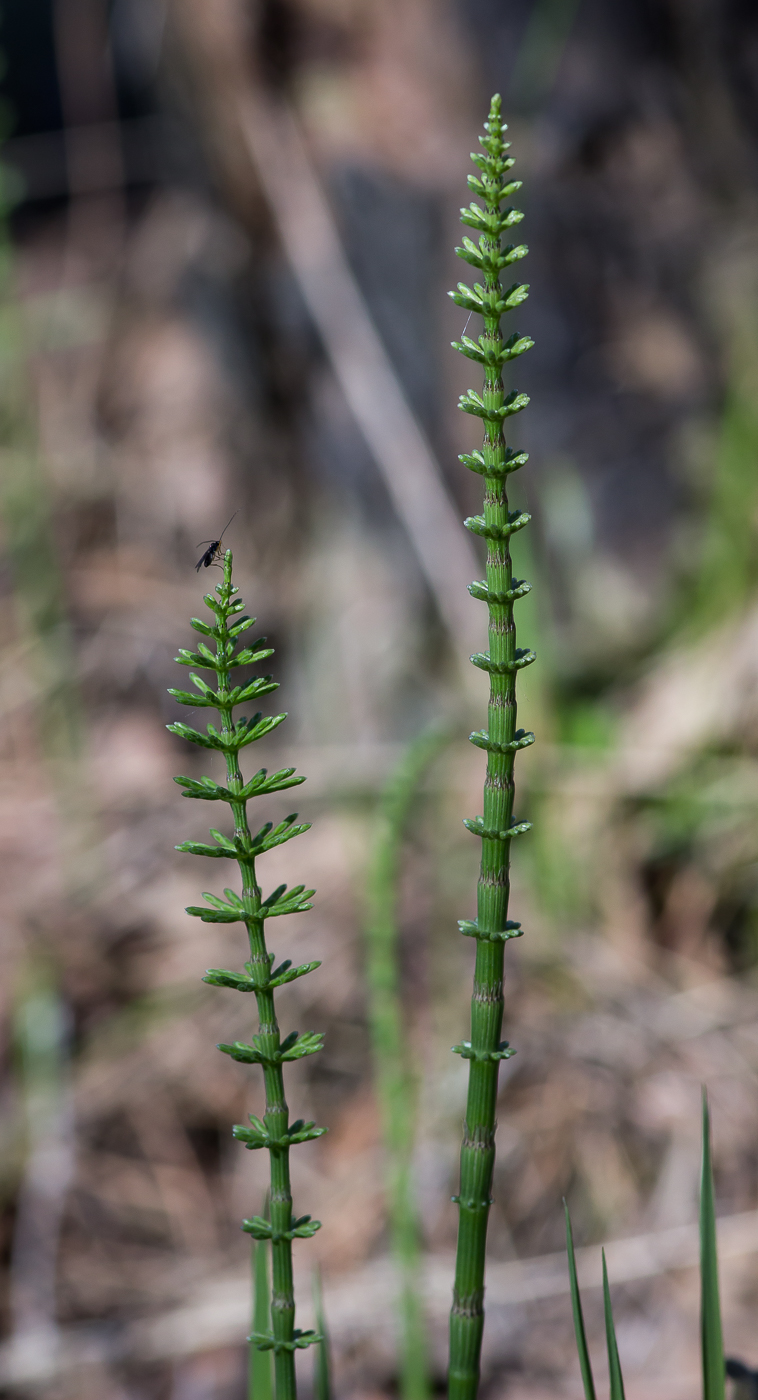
266	1048
497	827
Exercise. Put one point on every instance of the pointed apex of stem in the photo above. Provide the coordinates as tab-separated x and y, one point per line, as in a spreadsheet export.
228	559
494	124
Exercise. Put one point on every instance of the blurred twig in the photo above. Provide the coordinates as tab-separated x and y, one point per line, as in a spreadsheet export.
360	362
362	1302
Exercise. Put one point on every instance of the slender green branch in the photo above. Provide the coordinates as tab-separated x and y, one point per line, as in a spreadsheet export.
267	1048
501	740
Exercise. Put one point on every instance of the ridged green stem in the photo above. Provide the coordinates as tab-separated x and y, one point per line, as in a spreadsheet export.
276	1116
501	740
267	1049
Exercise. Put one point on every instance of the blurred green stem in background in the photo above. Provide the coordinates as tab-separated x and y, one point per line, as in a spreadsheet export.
322	1377
43	651
394	1076
539	56
725	577
41	1035
728	573
260	1377
26	504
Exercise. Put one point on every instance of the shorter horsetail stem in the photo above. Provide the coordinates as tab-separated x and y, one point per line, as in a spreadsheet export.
267	1048
497	827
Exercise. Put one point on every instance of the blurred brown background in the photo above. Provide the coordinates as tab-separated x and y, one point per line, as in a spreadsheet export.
224	289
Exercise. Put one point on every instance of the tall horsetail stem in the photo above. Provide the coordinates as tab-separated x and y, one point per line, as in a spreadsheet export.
497	827
266	1049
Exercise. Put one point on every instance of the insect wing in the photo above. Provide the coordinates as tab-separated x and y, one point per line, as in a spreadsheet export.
207	558
213	549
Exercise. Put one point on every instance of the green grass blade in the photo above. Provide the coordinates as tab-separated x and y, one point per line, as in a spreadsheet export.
614	1365
576	1307
711	1339
260	1377
322	1374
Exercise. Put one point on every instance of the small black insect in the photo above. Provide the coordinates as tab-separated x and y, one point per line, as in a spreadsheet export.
214	548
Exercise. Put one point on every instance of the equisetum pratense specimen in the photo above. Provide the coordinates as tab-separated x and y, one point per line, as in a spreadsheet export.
497	827
267	1048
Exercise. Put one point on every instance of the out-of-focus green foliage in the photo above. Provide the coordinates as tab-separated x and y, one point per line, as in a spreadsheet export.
322	1378
393	1067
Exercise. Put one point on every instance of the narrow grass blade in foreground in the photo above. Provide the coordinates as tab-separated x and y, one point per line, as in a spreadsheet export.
614	1365
710	1308
576	1307
393	1073
501	740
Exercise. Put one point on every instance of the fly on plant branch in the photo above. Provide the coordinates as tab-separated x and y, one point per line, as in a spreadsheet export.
213	551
